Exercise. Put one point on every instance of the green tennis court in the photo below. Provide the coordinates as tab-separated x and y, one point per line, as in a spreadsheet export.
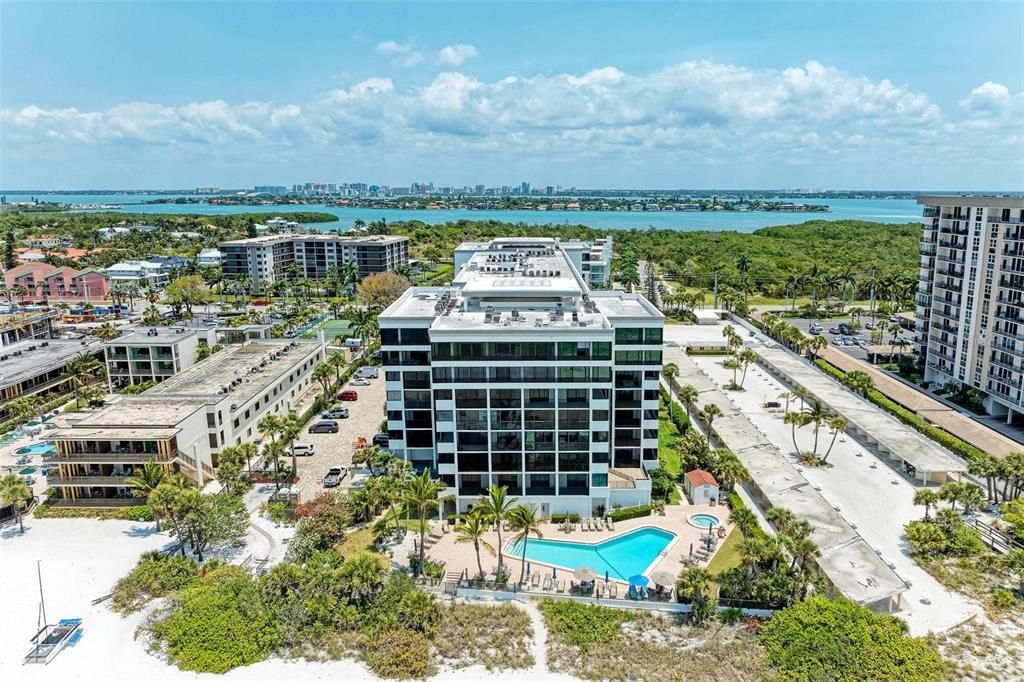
331	329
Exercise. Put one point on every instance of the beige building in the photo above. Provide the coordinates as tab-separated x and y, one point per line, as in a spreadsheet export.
970	312
184	422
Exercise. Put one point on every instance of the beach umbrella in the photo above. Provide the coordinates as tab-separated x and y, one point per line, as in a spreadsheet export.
527	568
638	581
606	575
585	574
554	573
691	549
663	578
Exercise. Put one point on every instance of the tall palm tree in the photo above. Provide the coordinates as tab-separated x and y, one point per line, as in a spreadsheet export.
985	466
671	372
145	481
730	469
710	412
271	427
816	415
248	450
927	498
525	523
337	361
421	493
688	395
744	519
838	425
471	528
495	506
81	370
745	357
694	581
323	373
14	491
107	332
291	426
795	420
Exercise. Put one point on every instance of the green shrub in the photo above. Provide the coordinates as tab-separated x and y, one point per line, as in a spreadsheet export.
400	654
736	502
419	611
156	575
822	639
626	513
1003	599
218	623
582	625
139	512
562	518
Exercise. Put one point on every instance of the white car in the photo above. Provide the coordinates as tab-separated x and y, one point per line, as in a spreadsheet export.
301	449
360	381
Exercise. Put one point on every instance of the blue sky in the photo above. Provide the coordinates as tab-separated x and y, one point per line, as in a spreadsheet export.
827	94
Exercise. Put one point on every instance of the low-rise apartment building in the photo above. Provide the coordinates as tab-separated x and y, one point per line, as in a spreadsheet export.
149	354
265	260
45	282
208	258
519	375
38	367
591	259
970	300
182	423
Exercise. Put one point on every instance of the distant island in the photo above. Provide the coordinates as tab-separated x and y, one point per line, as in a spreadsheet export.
513	203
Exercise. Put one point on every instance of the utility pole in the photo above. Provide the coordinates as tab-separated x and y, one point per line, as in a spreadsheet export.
715	304
872	304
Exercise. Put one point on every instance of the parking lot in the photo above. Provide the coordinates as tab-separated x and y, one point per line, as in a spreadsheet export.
863	333
365	416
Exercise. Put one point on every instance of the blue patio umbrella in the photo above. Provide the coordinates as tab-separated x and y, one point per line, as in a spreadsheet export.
638	581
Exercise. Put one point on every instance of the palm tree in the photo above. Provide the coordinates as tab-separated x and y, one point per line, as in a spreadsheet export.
290	428
694	581
987	466
107	332
81	370
951	492
271	427
971	496
337	361
524	522
838	425
14	491
145	481
323	373
817	414
795	420
730	469
744	519
859	381
734	365
471	528
420	493
926	498
688	395
801	393
496	505
745	357
710	412
815	345
671	371
248	450
362	575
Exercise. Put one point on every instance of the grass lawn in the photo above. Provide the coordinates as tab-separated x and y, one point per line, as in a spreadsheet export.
668	453
728	556
355	541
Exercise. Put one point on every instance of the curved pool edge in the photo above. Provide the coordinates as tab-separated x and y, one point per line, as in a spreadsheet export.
650	567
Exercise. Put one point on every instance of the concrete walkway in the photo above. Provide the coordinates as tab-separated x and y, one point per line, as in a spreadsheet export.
943	416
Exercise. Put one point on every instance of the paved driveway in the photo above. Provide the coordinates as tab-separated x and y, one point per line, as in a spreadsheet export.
365	415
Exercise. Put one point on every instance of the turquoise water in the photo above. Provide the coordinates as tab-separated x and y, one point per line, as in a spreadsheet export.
35	449
705	520
623	556
878	210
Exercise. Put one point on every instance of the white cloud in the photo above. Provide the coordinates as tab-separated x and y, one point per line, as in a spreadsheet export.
455	55
701	113
401	54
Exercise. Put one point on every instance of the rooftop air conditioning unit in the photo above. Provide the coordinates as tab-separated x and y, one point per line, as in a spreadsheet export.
44	344
234	406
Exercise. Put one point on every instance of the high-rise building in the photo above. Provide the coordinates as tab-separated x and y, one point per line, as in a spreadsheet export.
517	374
524	188
265	260
970	301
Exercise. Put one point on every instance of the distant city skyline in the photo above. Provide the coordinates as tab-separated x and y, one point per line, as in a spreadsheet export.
855	96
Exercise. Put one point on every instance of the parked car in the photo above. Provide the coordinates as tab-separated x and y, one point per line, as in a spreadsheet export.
381	440
837	341
335	475
359	381
368	372
301	449
348	395
815	328
844	329
869	326
833	330
375	356
326	426
335	413
352	343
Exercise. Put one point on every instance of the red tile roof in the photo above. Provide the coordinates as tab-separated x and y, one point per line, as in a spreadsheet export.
700	477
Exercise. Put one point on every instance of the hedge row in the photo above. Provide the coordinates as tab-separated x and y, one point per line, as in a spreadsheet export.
715	351
675	413
139	512
626	513
911	419
562	518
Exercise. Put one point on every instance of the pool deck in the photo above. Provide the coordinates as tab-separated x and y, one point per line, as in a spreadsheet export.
461	556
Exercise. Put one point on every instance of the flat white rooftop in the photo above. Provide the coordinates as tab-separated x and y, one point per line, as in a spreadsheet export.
152	336
29	358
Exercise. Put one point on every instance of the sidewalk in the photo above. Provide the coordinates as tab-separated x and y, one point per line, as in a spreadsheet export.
943	416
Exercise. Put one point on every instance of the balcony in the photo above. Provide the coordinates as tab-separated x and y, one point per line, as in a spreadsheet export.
87	481
1007	221
96	502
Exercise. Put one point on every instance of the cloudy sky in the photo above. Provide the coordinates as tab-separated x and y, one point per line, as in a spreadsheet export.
906	95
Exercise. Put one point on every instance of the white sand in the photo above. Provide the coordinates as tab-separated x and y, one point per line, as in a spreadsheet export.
81	560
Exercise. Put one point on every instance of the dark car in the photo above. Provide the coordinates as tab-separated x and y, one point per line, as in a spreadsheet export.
325	426
844	329
381	439
348	395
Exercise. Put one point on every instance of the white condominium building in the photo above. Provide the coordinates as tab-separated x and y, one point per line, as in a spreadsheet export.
518	375
593	260
265	260
970	312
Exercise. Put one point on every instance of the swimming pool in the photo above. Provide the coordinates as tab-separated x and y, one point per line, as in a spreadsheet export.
704	520
623	556
35	449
